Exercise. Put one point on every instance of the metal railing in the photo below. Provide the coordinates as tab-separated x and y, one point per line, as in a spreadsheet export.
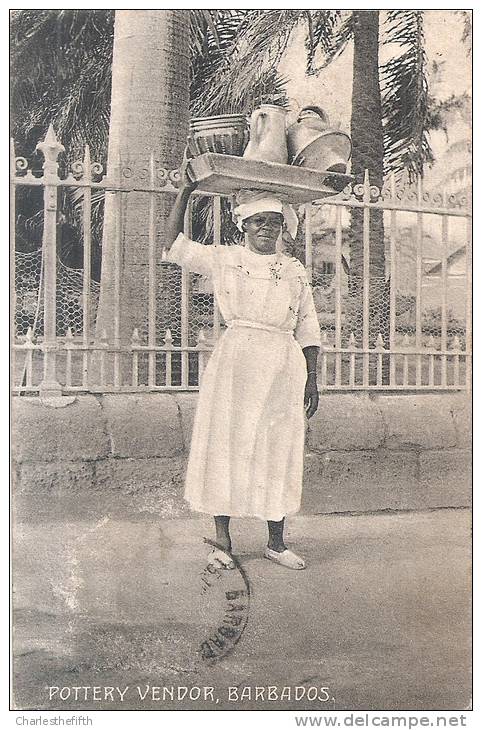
406	328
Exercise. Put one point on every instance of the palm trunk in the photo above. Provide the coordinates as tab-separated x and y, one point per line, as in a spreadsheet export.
149	113
367	138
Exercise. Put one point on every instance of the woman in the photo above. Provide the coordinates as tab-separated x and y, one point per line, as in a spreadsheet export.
246	456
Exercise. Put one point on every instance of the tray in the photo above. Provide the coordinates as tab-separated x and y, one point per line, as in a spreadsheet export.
226	174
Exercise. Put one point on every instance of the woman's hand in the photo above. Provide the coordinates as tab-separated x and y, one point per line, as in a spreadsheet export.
311	395
187	183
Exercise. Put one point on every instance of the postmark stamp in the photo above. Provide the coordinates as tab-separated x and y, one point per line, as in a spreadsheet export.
233	587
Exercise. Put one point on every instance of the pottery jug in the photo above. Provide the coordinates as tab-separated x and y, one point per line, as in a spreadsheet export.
267	140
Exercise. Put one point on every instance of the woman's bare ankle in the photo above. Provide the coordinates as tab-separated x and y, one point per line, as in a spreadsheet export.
278	547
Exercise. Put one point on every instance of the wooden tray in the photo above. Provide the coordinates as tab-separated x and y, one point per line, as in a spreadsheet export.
225	174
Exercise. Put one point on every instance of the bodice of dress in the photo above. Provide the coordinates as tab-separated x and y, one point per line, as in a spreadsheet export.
270	290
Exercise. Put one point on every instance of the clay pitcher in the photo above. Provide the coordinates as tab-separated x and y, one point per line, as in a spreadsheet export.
267	141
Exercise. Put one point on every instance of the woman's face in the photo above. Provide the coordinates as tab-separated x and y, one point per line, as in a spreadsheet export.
262	231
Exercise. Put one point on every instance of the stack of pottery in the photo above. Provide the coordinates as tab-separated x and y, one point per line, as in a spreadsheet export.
309	142
226	135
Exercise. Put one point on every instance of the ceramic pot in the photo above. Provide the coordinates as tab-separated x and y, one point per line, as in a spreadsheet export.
314	117
322	151
299	134
267	141
226	135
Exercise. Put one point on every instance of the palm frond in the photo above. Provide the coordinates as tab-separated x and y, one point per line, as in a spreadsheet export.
208	49
329	37
61	74
467	29
405	96
246	74
440	114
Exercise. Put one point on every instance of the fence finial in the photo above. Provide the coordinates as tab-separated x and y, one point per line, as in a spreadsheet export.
86	162
50	147
379	344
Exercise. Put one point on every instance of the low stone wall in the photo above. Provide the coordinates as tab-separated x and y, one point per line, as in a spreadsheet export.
126	454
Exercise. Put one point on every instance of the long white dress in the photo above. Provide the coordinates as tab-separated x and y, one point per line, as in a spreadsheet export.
246	456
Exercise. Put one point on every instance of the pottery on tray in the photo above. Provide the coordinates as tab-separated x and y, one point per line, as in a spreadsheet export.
324	151
223	134
267	138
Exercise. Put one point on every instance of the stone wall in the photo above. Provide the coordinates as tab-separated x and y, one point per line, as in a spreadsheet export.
125	454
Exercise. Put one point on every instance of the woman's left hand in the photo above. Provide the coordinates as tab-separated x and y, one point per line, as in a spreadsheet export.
311	395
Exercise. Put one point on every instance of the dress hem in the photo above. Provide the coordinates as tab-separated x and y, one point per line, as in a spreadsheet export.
244	514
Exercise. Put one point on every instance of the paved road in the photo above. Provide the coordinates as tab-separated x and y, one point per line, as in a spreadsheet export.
381	616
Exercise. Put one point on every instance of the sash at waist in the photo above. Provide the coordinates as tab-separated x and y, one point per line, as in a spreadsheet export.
233	323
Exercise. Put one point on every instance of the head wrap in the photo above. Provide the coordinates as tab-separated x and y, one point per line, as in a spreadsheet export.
250	202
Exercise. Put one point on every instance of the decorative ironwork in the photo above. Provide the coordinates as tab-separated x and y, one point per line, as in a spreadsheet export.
396	331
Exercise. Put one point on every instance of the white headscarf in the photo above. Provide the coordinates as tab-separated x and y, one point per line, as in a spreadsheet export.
251	202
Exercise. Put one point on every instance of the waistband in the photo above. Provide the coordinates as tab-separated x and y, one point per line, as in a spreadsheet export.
257	326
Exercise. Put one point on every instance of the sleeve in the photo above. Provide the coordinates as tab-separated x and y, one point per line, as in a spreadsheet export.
307	330
191	255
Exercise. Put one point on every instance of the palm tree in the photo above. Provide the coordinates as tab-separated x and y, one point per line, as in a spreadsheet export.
367	137
149	112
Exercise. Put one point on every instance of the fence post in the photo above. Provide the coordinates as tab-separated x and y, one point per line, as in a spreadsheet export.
217	242
50	148
393	281
418	285
152	275
366	277
87	256
13	217
338	267
444	293
468	305
185	291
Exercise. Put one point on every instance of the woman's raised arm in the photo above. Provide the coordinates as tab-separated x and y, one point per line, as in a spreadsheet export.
175	221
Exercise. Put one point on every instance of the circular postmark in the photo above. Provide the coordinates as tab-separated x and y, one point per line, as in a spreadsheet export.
233	592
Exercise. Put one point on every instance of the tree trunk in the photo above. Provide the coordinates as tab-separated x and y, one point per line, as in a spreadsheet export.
149	113
367	138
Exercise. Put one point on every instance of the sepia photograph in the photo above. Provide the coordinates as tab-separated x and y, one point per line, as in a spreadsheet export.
241	360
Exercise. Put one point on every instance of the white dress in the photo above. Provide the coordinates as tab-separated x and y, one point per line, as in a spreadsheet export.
246	456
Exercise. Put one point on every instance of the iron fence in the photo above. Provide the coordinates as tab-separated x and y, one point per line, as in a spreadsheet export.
404	324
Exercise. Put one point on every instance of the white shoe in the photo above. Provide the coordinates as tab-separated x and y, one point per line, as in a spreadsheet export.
286	558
